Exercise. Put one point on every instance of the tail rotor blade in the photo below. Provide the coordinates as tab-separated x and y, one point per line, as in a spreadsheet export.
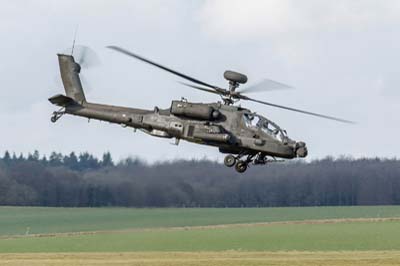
85	83
86	57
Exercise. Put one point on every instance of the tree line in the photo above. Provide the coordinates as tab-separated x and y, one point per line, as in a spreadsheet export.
85	181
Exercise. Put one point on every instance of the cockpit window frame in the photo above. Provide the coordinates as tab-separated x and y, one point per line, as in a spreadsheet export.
262	124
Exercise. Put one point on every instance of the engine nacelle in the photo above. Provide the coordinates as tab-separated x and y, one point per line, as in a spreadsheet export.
194	110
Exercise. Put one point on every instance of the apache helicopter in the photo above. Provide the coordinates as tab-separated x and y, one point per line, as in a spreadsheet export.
245	136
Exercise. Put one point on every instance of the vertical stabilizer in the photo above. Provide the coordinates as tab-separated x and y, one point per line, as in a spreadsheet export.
70	77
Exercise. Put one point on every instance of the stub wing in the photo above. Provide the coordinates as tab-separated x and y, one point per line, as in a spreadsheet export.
62	100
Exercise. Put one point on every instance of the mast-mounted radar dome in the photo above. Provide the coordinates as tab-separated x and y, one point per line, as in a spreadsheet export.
235	77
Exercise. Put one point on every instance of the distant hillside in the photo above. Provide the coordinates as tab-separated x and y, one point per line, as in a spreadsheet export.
83	180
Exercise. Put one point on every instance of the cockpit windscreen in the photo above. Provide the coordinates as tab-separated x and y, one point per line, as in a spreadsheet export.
258	122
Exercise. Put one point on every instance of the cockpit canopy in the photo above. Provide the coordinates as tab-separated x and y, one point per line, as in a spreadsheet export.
258	122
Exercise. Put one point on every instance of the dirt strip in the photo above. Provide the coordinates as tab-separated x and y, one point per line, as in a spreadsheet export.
224	258
203	227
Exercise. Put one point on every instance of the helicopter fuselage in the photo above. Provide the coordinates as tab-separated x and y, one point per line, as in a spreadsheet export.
227	127
233	129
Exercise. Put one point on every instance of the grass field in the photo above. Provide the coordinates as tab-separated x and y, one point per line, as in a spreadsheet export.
257	236
340	236
17	220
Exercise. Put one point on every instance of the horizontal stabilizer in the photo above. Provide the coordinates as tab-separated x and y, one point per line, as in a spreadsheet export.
61	100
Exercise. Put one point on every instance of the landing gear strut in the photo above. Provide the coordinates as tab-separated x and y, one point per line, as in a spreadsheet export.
241	165
57	115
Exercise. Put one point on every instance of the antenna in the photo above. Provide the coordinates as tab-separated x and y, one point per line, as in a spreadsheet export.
73	43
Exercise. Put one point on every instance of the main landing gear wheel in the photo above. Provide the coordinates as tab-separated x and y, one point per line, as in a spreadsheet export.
241	166
229	160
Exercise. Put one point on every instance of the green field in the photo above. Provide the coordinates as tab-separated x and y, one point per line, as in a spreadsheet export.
343	236
256	236
36	220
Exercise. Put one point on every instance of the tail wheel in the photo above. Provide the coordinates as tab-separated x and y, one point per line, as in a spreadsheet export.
241	166
229	160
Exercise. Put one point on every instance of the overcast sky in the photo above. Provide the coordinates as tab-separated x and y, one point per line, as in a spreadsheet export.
342	57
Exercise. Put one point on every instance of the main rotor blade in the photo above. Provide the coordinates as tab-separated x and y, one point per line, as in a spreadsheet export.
201	88
297	110
266	85
126	52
